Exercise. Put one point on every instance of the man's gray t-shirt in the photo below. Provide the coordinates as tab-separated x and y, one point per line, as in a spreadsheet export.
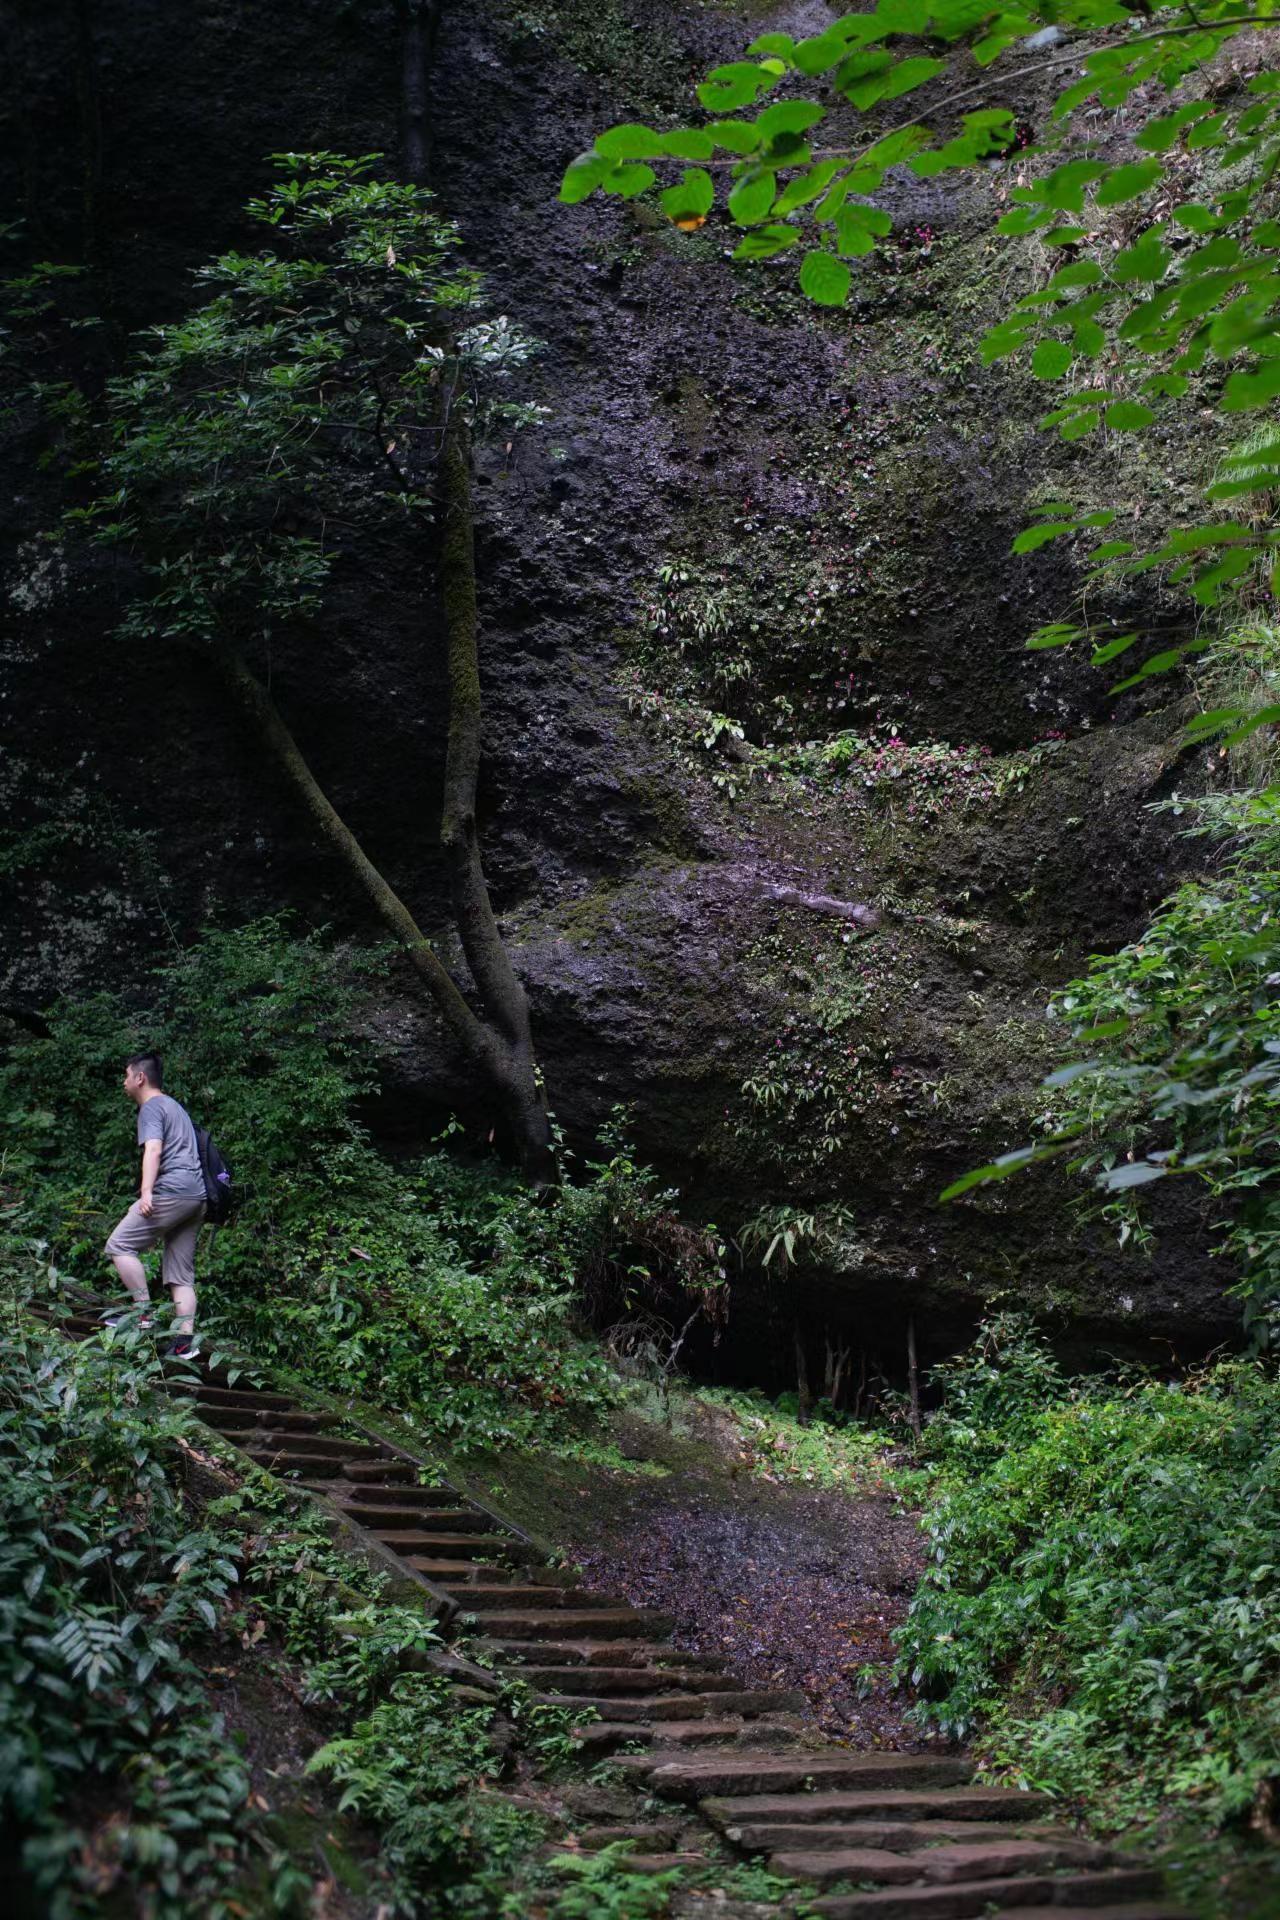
162	1119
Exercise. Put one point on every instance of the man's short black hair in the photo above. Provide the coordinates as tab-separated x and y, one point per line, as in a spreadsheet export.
150	1065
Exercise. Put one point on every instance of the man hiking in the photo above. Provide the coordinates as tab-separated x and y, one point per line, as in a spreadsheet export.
170	1204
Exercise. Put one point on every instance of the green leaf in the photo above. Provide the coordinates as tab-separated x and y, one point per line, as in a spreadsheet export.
765	242
1209	133
1245	390
1135	1173
1001	1168
1079	424
1081	273
852	237
824	279
1102	656
1038	536
630	142
1126	183
689	143
778	45
628	178
1127	416
1234	562
1058	634
1145	260
582	177
739	84
1063	189
1051	359
736	136
821	52
807	186
691	199
752	199
871	219
910	74
789	116
1159	135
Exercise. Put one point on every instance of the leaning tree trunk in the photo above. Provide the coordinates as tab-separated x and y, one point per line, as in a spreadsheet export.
504	1061
501	994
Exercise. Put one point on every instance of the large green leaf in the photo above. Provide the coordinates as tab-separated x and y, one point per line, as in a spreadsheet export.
582	177
752	199
1126	183
824	279
738	84
692	199
630	142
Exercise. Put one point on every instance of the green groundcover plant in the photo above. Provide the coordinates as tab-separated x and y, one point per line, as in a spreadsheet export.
1102	1598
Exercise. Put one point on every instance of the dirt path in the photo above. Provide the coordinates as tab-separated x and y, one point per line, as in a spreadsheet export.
797	1586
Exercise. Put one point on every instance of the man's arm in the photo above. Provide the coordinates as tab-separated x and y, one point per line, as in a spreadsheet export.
150	1168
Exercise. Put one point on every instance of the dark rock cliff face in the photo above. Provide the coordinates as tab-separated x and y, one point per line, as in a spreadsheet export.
853	482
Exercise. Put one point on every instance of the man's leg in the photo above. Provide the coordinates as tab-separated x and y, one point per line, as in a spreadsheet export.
133	1236
180	1267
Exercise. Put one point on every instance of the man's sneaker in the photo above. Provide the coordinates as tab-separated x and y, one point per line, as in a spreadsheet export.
125	1317
183	1348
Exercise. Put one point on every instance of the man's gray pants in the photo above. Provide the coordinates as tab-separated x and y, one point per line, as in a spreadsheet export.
174	1221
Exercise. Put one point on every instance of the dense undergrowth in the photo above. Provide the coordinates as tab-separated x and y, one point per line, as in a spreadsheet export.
133	1567
441	1287
1102	1601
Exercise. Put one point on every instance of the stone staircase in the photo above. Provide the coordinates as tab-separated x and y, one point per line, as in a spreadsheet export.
703	1770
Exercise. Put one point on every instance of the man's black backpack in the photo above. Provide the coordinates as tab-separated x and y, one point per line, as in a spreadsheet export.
218	1195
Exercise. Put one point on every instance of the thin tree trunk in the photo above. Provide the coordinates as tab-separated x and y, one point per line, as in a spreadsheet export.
90	112
501	994
419	20
913	1377
258	707
804	1392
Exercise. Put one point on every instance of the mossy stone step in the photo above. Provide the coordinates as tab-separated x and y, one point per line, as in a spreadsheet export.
316	1446
1131	1910
449	1518
947	1865
683	1706
409	1541
801	1774
215	1396
605	1622
373	1487
286	1420
274	1458
590	1681
447	1573
897	1836
395	1476
486	1596
868	1803
650	1863
605	1736
661	1836
618	1653
978	1897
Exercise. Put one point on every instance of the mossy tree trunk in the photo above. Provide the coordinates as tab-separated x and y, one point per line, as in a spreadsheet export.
496	1045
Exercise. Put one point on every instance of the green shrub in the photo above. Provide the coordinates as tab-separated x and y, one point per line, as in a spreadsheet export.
1103	1593
445	1290
107	1589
